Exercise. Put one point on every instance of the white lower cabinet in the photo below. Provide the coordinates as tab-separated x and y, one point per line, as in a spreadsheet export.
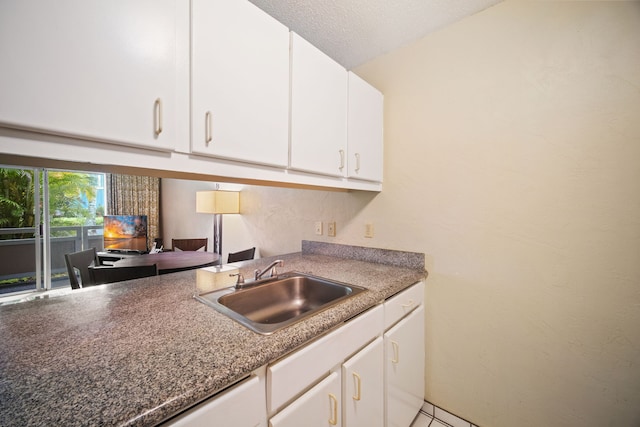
380	355
363	387
353	399
404	369
291	376
242	405
367	373
319	407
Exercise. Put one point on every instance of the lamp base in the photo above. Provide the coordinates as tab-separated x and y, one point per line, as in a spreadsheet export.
217	236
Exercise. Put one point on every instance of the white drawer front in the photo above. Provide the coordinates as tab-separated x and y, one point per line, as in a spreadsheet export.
293	374
241	405
398	306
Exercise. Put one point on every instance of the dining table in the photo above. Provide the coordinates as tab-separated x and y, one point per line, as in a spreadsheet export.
171	262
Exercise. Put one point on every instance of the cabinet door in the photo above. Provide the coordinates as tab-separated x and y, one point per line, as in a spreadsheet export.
291	375
404	369
318	110
240	82
99	70
365	130
319	407
363	387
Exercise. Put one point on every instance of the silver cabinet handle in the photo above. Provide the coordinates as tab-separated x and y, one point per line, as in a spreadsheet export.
357	162
396	352
207	127
157	112
333	402
341	160
358	383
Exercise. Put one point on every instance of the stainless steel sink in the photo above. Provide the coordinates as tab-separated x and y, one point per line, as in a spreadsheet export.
275	303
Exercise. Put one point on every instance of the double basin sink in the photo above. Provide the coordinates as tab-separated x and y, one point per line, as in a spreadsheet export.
274	303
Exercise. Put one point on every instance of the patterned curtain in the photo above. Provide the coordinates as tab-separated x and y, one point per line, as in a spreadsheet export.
136	195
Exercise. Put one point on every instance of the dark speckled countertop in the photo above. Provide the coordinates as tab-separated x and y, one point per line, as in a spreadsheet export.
138	352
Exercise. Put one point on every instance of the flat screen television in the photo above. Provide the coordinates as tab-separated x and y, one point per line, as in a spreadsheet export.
125	233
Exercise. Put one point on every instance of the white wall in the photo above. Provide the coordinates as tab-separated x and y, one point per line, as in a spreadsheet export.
512	159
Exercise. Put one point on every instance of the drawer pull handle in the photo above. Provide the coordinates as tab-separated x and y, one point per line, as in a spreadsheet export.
333	402
357	382
341	160
357	162
408	304
207	127
396	352
157	110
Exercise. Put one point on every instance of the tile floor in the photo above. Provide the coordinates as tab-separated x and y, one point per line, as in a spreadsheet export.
432	416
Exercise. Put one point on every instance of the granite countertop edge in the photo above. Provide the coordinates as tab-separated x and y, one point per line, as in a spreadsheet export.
169	372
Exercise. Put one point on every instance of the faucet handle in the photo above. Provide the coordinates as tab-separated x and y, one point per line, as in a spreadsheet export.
240	280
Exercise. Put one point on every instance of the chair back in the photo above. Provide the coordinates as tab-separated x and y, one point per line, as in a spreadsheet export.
109	274
80	261
245	255
189	244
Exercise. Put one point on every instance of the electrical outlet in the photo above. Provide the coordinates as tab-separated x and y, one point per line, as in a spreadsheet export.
368	230
331	229
319	228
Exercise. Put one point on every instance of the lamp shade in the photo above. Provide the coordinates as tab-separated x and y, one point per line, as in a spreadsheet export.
218	202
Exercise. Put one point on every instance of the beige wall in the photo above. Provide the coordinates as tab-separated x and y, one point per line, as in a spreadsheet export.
274	220
513	138
512	159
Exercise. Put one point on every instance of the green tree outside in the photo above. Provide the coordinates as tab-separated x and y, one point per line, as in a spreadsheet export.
69	193
16	198
72	200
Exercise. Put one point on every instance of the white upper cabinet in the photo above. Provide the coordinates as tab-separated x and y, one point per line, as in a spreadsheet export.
240	82
318	111
206	87
365	130
96	70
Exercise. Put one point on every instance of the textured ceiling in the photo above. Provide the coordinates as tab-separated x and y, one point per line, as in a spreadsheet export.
355	31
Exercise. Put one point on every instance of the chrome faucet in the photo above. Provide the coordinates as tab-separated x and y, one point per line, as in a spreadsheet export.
257	275
271	269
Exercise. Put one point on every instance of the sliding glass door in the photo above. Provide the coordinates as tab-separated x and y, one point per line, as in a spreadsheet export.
20	248
33	240
76	208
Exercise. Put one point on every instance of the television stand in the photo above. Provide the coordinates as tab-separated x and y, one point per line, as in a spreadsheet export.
126	251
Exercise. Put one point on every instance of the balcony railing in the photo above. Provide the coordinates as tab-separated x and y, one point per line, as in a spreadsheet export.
18	266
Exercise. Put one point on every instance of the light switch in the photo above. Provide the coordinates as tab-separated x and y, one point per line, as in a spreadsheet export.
368	230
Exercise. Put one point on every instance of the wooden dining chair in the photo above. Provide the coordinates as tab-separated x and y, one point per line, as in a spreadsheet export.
189	244
108	274
78	264
244	255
